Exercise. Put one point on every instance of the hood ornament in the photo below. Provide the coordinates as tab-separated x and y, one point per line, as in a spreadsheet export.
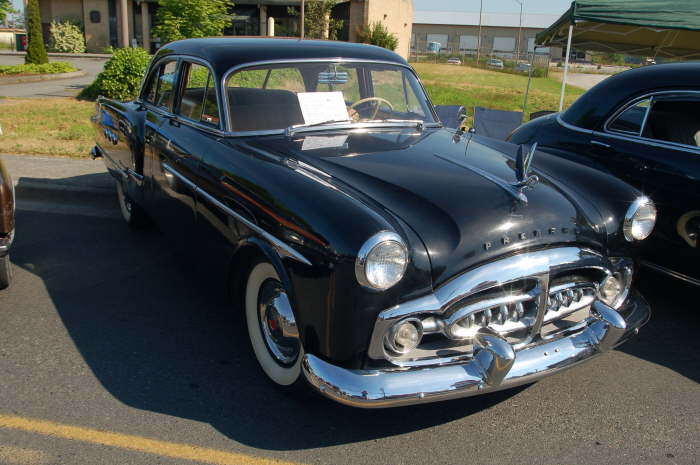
522	168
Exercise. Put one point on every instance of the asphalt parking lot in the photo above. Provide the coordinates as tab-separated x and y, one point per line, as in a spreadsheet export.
115	349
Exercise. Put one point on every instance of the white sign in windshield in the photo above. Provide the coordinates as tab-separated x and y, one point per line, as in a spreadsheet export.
319	107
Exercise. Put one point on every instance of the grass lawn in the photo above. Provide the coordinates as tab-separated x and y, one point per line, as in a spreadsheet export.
52	126
61	126
470	87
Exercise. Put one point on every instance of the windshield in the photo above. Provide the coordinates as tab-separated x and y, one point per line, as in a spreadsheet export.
278	96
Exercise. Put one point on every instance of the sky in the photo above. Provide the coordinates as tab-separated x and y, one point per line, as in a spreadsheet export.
554	7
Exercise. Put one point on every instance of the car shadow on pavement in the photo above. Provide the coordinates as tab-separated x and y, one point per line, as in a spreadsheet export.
163	337
670	338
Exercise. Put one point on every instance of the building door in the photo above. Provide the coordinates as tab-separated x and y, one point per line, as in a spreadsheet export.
113	31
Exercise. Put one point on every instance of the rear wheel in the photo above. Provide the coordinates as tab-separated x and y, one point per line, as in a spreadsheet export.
272	328
5	271
131	212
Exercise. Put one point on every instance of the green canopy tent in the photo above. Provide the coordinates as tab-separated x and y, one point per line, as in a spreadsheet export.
657	28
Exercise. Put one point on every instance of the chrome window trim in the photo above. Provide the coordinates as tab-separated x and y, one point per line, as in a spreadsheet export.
199	61
648	140
561	121
624	108
282	248
217	131
229	132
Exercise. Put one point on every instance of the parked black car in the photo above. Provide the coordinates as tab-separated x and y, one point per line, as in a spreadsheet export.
7	225
643	126
379	256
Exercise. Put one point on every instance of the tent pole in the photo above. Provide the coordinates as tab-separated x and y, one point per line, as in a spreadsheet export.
529	81
566	67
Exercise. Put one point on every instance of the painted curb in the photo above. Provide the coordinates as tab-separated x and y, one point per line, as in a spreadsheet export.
40	78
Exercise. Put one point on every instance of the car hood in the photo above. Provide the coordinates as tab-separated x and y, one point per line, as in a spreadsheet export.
453	192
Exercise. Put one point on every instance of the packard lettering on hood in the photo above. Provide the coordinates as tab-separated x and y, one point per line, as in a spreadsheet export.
377	256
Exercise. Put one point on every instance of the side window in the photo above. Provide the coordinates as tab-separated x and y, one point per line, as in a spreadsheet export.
674	119
275	78
198	101
631	120
388	85
150	91
166	83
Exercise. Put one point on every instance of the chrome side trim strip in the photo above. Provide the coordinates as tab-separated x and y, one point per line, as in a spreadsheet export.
671	273
495	365
282	248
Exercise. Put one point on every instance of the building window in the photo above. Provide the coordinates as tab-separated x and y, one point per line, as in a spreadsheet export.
503	44
439	38
468	43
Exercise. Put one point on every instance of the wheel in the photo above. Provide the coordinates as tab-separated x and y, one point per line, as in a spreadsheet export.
5	271
131	212
272	327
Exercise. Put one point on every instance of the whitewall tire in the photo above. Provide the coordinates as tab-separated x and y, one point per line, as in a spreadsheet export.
271	326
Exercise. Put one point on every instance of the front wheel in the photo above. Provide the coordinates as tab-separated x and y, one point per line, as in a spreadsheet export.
272	326
5	271
131	212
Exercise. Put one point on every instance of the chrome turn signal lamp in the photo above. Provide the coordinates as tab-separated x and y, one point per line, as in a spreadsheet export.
639	220
404	336
615	288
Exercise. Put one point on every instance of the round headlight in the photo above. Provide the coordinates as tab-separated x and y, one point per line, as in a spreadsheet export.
382	261
639	219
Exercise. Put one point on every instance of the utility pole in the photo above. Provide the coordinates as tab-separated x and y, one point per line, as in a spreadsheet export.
302	19
520	27
478	42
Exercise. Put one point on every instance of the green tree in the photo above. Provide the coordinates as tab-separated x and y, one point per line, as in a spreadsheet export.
36	51
121	77
318	23
377	34
5	9
184	19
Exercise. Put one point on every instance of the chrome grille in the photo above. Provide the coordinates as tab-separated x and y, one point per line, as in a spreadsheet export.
524	298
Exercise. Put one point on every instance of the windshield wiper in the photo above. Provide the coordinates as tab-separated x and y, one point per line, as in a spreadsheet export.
375	123
293	129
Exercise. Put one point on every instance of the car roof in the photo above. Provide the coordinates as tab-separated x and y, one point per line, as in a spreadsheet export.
223	53
591	110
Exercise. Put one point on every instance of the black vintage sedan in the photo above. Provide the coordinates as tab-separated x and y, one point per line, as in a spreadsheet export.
7	225
377	256
643	126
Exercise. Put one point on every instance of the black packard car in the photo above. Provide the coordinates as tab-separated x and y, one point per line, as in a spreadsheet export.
643	126
376	255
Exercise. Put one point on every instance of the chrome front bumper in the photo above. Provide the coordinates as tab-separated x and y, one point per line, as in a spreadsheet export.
495	365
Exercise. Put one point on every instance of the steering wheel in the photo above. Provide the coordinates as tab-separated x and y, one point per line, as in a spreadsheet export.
379	100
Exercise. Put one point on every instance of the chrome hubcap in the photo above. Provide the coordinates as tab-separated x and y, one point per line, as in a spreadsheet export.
277	322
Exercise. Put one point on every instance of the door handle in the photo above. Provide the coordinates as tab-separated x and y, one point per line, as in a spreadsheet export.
174	122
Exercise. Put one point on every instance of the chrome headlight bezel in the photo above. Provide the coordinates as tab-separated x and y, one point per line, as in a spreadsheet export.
381	239
631	216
